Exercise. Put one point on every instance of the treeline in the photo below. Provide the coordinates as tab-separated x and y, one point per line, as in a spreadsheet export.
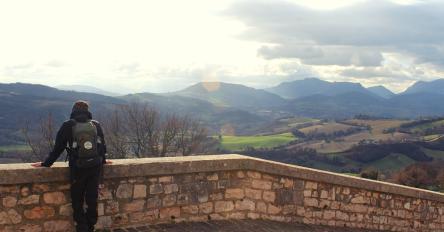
366	153
133	130
406	127
422	175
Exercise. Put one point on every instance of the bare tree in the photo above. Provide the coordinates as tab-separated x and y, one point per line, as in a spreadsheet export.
115	132
40	140
170	129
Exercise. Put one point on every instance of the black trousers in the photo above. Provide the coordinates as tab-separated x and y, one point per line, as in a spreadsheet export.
84	189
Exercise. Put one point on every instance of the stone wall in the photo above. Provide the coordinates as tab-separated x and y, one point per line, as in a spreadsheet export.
201	188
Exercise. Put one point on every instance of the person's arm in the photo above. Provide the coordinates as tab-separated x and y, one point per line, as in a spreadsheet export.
60	145
102	139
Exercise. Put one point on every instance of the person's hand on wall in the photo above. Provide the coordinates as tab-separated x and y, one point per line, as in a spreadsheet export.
37	165
108	162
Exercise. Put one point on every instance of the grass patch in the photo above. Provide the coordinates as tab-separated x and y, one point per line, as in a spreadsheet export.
392	162
436	154
12	148
238	143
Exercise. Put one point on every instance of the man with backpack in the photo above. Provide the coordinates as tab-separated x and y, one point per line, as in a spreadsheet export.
83	139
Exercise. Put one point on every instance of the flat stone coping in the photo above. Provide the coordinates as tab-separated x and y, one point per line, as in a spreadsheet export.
11	174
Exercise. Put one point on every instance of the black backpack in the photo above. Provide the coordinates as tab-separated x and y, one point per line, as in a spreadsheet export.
85	144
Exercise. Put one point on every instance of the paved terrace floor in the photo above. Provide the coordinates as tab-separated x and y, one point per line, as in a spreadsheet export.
235	226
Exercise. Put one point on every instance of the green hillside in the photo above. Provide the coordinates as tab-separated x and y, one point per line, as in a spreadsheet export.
237	143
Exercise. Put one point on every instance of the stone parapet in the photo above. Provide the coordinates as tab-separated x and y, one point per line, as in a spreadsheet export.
219	187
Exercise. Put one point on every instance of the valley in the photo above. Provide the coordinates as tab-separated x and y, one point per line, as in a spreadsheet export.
335	126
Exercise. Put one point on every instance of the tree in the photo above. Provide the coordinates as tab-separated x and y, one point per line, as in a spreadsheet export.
39	137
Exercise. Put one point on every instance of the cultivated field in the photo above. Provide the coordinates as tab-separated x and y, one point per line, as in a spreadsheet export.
237	143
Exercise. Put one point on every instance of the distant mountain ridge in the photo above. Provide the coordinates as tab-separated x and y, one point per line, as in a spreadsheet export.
314	86
231	95
86	89
381	91
436	86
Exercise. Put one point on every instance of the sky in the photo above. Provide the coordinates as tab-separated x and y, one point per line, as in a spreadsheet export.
130	46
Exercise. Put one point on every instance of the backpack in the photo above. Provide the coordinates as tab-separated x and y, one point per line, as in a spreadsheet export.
85	144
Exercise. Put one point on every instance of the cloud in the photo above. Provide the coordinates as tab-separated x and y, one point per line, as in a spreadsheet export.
355	35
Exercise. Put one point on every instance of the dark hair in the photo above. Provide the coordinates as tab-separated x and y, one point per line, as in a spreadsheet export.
80	105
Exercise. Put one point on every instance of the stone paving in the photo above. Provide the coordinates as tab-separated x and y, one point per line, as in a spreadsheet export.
235	226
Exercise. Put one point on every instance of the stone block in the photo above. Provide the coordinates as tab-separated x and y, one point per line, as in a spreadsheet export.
311	185
261	207
14	216
66	210
311	202
134	206
156	189
9	202
56	198
112	207
171	188
190	209
40	188
57	225
206	208
254	174
223	206
273	209
165	179
25	191
124	191
269	196
153	202
30	228
261	184
139	191
235	193
213	177
39	212
245	204
169	200
29	200
255	194
169	213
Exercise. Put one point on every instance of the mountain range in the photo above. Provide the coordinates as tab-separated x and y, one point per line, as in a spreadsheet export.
220	104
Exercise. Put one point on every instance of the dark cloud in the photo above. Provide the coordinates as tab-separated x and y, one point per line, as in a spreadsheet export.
354	35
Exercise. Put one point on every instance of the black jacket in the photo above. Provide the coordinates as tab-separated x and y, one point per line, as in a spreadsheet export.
64	138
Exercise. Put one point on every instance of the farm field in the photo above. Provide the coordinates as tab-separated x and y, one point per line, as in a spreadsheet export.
344	143
286	125
237	143
378	126
425	126
327	128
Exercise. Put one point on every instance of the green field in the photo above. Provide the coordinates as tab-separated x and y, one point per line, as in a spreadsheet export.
238	143
439	155
12	148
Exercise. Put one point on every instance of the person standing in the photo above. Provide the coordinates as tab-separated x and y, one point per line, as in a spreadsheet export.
84	141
